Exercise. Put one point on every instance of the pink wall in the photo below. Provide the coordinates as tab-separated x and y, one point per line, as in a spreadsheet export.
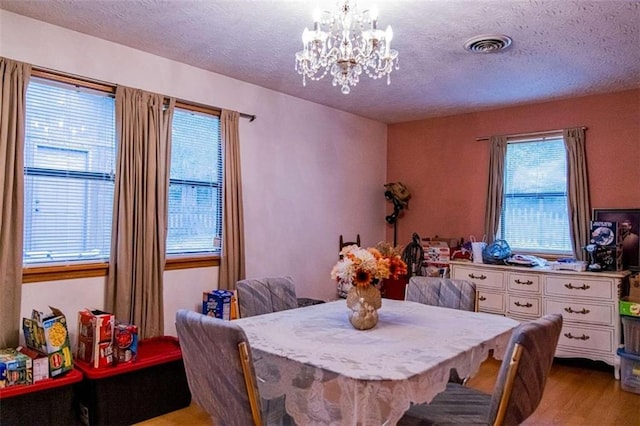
446	169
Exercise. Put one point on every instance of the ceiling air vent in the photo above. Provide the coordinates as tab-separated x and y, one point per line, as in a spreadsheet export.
490	43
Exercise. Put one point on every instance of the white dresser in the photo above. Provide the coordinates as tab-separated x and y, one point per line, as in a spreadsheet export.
588	302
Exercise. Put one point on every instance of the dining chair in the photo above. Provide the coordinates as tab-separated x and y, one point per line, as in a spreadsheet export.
518	389
265	295
444	292
344	243
220	372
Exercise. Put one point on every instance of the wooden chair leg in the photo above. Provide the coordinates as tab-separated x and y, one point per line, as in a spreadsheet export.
254	400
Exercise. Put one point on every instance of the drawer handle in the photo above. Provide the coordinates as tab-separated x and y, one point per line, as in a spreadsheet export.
525	305
584	311
582	287
528	282
482	298
571	336
477	277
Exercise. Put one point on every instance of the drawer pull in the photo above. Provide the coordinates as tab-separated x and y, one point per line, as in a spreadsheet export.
521	305
582	287
482	298
583	311
477	277
528	282
571	336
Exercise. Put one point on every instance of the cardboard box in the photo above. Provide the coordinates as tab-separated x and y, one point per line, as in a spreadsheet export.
15	368
95	337
48	335
436	251
39	362
217	303
606	234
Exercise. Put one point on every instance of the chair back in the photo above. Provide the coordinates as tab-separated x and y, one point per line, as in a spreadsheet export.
524	370
444	292
219	368
344	243
265	295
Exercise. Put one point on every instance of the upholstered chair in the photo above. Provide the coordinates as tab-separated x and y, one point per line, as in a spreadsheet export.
444	292
221	375
265	295
518	390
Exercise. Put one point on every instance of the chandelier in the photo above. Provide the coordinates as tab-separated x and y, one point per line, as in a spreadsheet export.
345	43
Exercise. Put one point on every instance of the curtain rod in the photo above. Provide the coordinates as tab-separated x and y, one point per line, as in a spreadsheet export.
520	135
104	86
251	117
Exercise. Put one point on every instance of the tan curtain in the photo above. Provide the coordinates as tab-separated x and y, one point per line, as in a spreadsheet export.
232	267
495	191
577	189
138	241
15	78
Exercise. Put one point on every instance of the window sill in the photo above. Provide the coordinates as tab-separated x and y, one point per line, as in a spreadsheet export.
33	274
188	262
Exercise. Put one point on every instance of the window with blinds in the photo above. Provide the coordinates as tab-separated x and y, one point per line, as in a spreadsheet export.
195	186
534	215
69	161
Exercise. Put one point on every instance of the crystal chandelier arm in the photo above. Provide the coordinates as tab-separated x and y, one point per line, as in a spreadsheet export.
388	36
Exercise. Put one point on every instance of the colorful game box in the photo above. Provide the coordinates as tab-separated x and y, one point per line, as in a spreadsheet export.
95	337
15	368
48	335
125	341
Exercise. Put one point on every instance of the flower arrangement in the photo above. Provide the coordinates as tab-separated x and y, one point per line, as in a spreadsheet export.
362	267
397	267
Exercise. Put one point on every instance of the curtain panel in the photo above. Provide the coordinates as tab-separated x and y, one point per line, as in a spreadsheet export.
232	261
134	290
495	191
577	189
13	90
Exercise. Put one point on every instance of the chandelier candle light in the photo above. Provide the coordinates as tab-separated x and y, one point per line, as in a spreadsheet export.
346	43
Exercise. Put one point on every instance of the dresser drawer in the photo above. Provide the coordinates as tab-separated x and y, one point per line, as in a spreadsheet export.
585	338
572	310
573	286
524	282
524	305
481	277
492	302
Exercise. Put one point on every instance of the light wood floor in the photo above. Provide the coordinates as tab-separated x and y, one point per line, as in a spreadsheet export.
576	394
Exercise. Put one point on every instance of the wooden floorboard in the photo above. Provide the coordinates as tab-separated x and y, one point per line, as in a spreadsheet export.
577	393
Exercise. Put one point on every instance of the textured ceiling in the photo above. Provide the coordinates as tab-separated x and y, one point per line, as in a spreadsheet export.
561	48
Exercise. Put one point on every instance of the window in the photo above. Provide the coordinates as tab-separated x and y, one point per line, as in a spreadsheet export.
69	172
195	190
534	215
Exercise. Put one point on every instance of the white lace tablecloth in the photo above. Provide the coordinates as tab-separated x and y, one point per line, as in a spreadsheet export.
332	373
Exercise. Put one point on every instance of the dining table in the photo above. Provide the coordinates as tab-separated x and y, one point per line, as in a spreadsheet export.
333	374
